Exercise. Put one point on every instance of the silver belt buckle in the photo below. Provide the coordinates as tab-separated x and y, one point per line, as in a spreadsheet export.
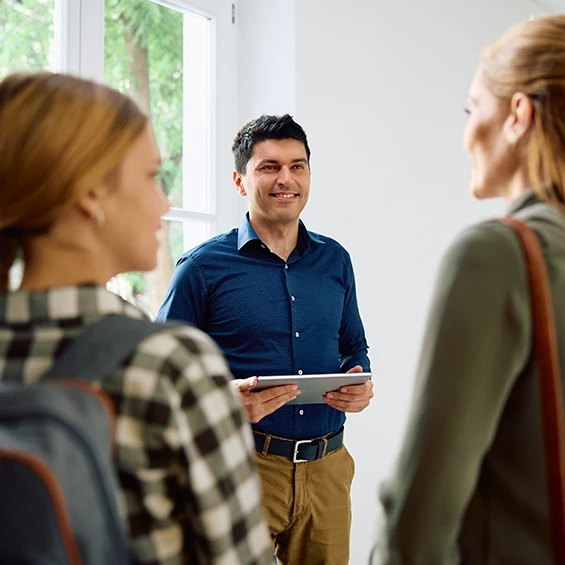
296	446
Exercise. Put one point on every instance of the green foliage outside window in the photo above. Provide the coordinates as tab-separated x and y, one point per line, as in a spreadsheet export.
143	57
27	32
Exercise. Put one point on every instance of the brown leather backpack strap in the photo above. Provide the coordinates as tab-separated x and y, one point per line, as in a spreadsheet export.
549	376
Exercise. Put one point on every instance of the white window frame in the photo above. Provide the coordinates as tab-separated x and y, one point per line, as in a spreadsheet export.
79	31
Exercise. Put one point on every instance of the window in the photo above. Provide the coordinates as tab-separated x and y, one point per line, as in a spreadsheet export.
172	56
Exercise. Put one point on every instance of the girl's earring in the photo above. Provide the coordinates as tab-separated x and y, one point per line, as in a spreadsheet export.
99	219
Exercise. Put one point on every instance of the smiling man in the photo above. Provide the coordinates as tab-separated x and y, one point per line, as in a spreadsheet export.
279	300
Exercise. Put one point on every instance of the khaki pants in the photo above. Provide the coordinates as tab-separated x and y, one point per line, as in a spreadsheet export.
308	507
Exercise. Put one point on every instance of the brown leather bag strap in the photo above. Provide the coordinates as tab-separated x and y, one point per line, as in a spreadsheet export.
549	376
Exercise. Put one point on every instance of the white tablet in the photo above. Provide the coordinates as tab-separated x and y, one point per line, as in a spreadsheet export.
312	387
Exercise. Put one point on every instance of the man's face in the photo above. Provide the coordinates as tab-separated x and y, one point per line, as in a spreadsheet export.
276	181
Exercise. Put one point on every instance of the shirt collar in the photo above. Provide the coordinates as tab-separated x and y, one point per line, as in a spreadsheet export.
525	200
246	233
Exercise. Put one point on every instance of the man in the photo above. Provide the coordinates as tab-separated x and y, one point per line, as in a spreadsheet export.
281	300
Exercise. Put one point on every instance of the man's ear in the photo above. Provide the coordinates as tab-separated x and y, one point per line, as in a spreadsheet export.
238	181
520	118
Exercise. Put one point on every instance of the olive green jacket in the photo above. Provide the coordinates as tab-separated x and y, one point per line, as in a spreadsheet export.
469	485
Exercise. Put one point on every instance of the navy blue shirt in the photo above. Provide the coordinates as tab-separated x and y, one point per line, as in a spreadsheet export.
272	317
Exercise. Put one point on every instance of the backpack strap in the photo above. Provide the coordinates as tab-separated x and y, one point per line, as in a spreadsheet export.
102	346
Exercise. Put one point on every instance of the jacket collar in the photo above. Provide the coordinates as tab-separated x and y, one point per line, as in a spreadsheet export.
525	200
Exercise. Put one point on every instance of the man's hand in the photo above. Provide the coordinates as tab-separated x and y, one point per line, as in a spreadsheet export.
353	398
257	405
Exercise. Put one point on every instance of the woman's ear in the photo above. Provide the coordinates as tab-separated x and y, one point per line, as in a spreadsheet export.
520	118
91	204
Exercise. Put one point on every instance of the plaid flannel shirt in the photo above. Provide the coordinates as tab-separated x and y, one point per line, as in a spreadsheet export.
189	486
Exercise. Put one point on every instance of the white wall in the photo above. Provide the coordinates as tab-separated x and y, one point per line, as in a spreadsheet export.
266	61
379	88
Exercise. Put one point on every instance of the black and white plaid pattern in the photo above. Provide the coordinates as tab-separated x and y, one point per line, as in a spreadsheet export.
189	486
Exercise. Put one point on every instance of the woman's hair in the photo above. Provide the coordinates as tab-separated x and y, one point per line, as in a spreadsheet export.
530	58
59	137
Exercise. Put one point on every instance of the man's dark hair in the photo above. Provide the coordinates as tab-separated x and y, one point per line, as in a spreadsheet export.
262	129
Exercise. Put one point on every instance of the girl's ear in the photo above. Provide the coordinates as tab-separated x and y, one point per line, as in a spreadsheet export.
91	205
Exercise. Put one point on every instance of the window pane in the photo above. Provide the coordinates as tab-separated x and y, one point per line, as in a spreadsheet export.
27	35
143	57
160	57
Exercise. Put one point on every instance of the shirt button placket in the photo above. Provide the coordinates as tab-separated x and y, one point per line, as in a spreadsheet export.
296	334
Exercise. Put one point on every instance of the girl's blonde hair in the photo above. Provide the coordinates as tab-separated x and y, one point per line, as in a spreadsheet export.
59	137
530	58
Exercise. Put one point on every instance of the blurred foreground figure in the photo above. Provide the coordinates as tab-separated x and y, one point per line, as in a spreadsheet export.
470	484
80	201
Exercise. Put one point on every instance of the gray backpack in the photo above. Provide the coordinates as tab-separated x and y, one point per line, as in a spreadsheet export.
58	485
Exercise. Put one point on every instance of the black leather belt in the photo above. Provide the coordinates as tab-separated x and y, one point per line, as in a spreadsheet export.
298	450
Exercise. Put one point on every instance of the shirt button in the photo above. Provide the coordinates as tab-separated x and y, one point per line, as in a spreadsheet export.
292	298
262	246
299	371
285	266
301	412
297	334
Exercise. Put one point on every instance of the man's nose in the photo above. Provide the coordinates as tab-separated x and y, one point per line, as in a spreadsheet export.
285	176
